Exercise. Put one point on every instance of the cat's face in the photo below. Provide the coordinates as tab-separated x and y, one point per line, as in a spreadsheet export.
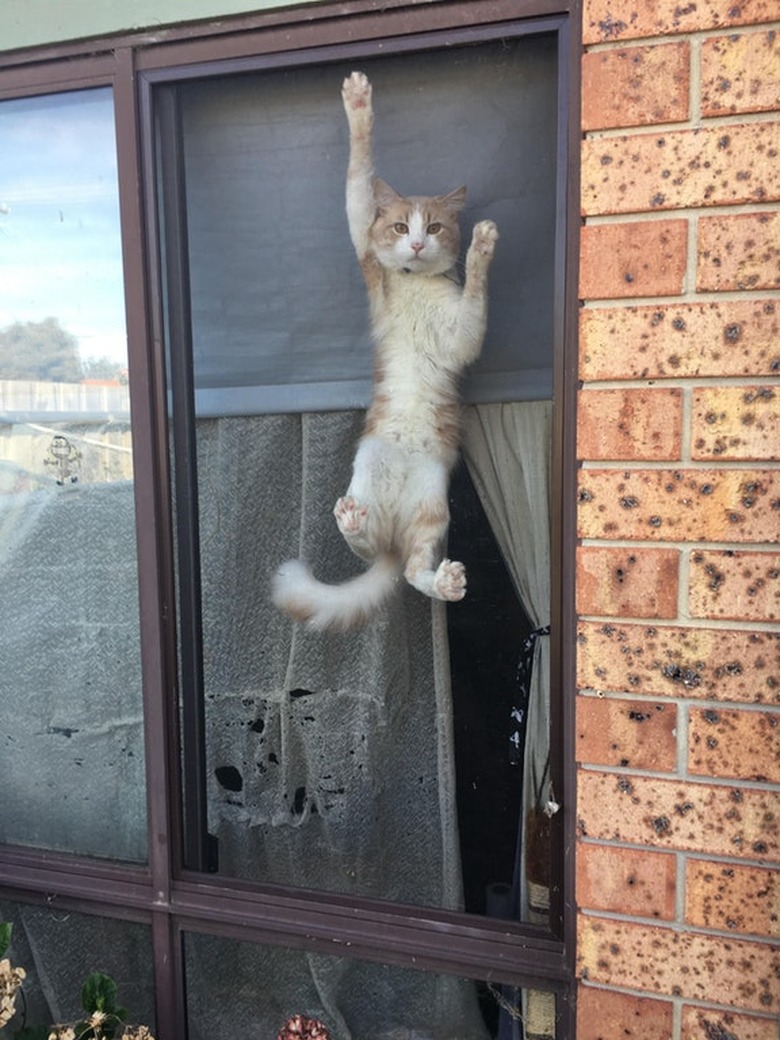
416	234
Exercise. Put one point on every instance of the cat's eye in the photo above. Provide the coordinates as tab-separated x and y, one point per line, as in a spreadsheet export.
400	228
434	229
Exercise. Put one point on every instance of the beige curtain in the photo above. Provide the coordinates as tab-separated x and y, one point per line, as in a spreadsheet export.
507	450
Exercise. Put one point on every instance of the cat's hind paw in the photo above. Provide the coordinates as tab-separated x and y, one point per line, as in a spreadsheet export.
484	238
449	582
350	515
356	94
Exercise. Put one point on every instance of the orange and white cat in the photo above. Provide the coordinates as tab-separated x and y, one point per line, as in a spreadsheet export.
427	329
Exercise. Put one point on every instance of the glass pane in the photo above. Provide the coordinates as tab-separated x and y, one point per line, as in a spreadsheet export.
58	950
72	763
407	760
237	988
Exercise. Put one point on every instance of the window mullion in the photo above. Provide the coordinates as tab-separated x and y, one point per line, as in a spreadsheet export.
199	848
155	592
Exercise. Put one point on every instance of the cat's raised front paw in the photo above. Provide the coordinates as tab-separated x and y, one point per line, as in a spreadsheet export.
350	516
485	237
450	581
356	92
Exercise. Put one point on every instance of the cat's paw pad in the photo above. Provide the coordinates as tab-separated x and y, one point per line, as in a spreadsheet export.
356	92
485	237
450	580
350	516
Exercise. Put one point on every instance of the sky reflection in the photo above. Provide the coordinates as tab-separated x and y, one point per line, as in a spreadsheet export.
60	246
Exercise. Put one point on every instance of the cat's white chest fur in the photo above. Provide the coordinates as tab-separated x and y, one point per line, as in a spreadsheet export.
414	369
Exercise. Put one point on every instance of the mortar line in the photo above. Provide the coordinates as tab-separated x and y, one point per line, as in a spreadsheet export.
705	296
686	419
682	740
692	854
681	35
758	627
672	126
696	465
679	894
691	703
692	382
692	258
671	213
691	780
674	926
697	546
694	86
684	586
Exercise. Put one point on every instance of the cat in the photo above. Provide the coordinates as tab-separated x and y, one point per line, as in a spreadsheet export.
426	329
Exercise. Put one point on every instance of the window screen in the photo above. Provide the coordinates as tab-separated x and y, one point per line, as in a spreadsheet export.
279	315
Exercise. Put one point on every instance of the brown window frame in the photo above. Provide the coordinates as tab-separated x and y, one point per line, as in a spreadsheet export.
161	893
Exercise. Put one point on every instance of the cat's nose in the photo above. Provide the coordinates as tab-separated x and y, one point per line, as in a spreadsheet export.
418	247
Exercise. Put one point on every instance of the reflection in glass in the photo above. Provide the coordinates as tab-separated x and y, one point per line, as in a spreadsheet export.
72	766
238	988
59	950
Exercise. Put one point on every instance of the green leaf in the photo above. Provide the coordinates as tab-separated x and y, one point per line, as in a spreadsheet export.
99	994
5	936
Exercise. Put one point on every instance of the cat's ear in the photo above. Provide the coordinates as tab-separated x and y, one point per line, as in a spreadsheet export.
384	195
453	200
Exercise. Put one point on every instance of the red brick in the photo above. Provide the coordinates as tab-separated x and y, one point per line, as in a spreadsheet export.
717	338
740	73
637	258
659	959
739	252
736	422
616	582
734	744
713	819
679	662
639	734
603	1014
727	897
604	22
710	166
706	1024
635	86
634	882
742	586
682	504
631	424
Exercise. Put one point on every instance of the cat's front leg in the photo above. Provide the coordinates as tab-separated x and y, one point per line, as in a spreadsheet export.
356	94
472	313
361	202
483	245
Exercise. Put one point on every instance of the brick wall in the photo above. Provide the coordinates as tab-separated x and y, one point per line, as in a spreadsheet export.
678	583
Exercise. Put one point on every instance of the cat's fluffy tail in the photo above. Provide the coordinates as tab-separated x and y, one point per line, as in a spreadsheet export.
334	608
